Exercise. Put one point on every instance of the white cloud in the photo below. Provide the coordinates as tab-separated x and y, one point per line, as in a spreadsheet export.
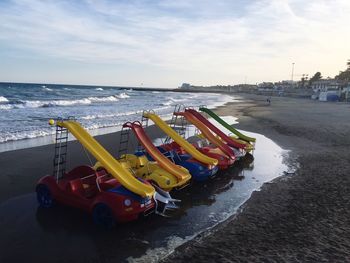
212	40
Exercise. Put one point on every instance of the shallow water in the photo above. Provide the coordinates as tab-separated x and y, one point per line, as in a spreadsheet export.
63	234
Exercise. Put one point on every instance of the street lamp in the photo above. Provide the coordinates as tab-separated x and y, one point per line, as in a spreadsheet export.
292	71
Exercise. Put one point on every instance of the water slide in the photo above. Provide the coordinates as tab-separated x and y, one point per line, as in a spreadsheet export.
189	148
217	131
207	134
179	172
107	160
227	126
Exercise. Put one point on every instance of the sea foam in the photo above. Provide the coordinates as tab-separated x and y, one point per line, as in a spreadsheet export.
3	99
55	103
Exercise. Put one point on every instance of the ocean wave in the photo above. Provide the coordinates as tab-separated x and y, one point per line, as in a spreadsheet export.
103	99
5	107
103	125
47	89
111	115
120	114
3	99
122	96
173	101
57	103
167	103
99	89
21	135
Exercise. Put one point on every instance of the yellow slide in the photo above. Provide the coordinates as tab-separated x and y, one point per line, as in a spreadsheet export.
107	160
179	140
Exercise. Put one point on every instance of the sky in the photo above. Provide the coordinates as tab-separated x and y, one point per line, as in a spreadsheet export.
163	43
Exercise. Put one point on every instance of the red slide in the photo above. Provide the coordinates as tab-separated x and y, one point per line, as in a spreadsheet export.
207	133
214	129
164	162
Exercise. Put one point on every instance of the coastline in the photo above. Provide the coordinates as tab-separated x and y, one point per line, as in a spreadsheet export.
297	217
105	122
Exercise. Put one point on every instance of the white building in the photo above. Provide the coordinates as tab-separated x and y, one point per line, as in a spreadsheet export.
326	85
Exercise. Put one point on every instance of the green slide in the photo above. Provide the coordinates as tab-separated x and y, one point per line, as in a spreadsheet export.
227	126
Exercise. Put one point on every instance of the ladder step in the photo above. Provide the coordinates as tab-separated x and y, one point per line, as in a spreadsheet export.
57	155
61	146
62	139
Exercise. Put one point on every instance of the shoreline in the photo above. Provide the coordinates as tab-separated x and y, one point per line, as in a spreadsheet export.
297	217
32	142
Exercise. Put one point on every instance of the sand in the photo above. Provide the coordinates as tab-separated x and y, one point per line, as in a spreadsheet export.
299	217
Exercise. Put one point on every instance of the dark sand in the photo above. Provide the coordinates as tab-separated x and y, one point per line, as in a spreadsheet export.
304	217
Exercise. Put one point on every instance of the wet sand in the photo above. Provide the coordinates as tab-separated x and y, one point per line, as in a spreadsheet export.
300	217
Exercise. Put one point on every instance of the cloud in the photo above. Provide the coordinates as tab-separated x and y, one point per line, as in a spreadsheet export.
229	40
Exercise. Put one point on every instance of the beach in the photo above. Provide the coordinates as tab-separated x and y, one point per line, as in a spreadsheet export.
299	217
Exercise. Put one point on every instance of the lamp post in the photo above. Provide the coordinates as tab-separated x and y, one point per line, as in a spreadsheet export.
292	71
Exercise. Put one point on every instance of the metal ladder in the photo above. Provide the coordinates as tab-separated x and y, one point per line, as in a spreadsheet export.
180	129
144	123
124	141
144	120
60	158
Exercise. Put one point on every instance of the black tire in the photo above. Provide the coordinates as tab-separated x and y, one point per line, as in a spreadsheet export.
103	216
44	196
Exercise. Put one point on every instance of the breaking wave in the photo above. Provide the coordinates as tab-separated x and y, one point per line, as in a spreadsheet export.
56	103
105	116
3	99
122	96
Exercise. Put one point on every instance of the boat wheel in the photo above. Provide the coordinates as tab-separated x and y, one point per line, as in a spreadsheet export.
44	196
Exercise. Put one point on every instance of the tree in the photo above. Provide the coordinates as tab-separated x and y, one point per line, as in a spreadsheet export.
344	75
316	77
303	81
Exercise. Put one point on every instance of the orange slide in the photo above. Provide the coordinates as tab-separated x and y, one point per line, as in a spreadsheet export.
178	171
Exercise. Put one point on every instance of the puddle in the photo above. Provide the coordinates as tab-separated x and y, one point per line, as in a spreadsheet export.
63	234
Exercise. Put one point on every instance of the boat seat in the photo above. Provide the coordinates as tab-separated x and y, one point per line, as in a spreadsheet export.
83	189
77	186
108	184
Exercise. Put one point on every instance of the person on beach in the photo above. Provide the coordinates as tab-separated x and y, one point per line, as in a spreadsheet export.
268	100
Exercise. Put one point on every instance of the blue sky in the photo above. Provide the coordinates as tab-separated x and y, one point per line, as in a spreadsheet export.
165	43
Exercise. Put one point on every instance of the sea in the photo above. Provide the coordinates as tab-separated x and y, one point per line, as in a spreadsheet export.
25	109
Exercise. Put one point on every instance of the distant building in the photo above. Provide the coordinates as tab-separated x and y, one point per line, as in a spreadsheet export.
327	89
285	85
185	86
265	86
326	85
